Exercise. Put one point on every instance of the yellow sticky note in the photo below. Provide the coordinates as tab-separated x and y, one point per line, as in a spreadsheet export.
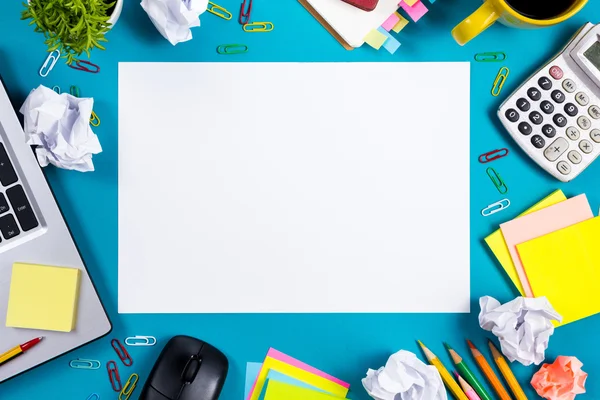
297	373
564	266
43	297
402	22
410	2
375	39
498	246
283	391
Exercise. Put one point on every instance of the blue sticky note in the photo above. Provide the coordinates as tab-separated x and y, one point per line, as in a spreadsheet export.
391	44
432	1
252	371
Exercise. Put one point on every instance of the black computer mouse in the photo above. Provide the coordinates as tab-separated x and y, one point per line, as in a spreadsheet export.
187	369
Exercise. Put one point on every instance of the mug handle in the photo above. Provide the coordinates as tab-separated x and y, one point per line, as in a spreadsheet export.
476	23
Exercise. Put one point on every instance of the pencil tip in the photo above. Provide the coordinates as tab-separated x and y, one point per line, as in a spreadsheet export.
420	343
456	374
446	345
471	345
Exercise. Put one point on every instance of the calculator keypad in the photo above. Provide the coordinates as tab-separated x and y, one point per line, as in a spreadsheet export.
594	112
571	109
523	104
547	107
573	133
584	122
534	94
525	128
538	142
595	135
536	117
556	149
569	86
512	115
559	120
574	157
582	99
558	96
564	168
586	146
549	131
545	83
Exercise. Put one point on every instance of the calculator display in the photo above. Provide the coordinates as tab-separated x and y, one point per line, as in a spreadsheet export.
593	54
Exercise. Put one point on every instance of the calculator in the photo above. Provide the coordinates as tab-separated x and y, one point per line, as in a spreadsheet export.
555	115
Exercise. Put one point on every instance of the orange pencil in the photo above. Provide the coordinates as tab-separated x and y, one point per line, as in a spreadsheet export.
487	370
507	373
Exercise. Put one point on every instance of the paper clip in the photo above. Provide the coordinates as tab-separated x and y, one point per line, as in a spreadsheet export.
93	396
74	91
500	81
245	15
79	67
49	63
495	56
122	352
81	363
259	27
140	341
94	120
113	375
232	49
219	11
56	88
497	180
493	155
496	207
129	387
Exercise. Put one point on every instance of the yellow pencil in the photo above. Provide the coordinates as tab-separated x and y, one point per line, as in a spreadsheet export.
507	373
450	383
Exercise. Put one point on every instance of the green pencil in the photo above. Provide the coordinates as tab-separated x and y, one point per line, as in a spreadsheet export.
466	373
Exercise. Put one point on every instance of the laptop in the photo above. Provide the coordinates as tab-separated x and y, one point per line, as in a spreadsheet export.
33	230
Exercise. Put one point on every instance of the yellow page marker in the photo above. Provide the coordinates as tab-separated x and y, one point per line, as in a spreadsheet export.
43	297
564	266
400	24
410	3
498	246
283	391
297	373
375	39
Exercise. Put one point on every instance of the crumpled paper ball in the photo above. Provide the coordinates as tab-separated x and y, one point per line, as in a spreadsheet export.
405	377
174	18
59	126
522	325
561	380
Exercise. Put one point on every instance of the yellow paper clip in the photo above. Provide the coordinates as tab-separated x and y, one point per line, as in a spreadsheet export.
497	180
500	81
495	56
129	387
49	63
93	396
495	207
94	120
259	27
56	88
219	11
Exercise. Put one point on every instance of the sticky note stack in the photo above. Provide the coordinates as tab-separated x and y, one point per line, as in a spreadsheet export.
281	377
43	297
551	250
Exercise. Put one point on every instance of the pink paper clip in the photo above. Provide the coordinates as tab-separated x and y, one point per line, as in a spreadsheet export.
245	16
493	155
78	66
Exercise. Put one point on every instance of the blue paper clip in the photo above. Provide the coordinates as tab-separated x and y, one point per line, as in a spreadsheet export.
495	207
56	88
49	63
81	363
140	341
93	396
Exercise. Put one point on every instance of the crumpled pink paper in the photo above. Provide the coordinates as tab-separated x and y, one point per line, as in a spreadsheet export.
561	380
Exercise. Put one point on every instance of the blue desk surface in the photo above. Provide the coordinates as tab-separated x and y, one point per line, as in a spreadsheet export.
343	345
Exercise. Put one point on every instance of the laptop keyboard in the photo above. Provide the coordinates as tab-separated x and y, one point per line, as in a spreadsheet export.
13	202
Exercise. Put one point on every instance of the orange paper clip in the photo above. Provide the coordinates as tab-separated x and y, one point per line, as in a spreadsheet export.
122	352
113	375
493	155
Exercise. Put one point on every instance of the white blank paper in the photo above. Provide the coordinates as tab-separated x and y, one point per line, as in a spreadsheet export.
293	187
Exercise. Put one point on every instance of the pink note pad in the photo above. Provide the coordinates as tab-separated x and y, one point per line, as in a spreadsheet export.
416	11
390	22
540	223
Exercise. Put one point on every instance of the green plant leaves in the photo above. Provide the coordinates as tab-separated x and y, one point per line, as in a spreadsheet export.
73	27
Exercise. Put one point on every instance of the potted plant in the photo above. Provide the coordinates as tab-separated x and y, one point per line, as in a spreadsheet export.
73	26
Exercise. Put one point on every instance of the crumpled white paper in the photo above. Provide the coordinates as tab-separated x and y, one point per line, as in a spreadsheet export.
59	125
405	377
522	325
174	18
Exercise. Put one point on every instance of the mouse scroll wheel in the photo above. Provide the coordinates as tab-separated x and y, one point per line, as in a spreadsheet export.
191	369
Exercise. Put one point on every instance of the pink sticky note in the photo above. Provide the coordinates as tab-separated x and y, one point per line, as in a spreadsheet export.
390	22
416	11
540	223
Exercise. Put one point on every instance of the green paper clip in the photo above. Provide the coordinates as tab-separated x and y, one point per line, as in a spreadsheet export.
74	91
232	49
497	180
495	56
500	81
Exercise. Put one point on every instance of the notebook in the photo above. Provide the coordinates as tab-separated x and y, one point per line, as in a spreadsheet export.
498	246
43	297
351	23
564	266
542	222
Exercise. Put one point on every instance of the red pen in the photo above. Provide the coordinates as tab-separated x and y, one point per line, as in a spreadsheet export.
17	351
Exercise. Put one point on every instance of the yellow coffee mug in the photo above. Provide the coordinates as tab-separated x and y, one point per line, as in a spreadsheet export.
499	10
